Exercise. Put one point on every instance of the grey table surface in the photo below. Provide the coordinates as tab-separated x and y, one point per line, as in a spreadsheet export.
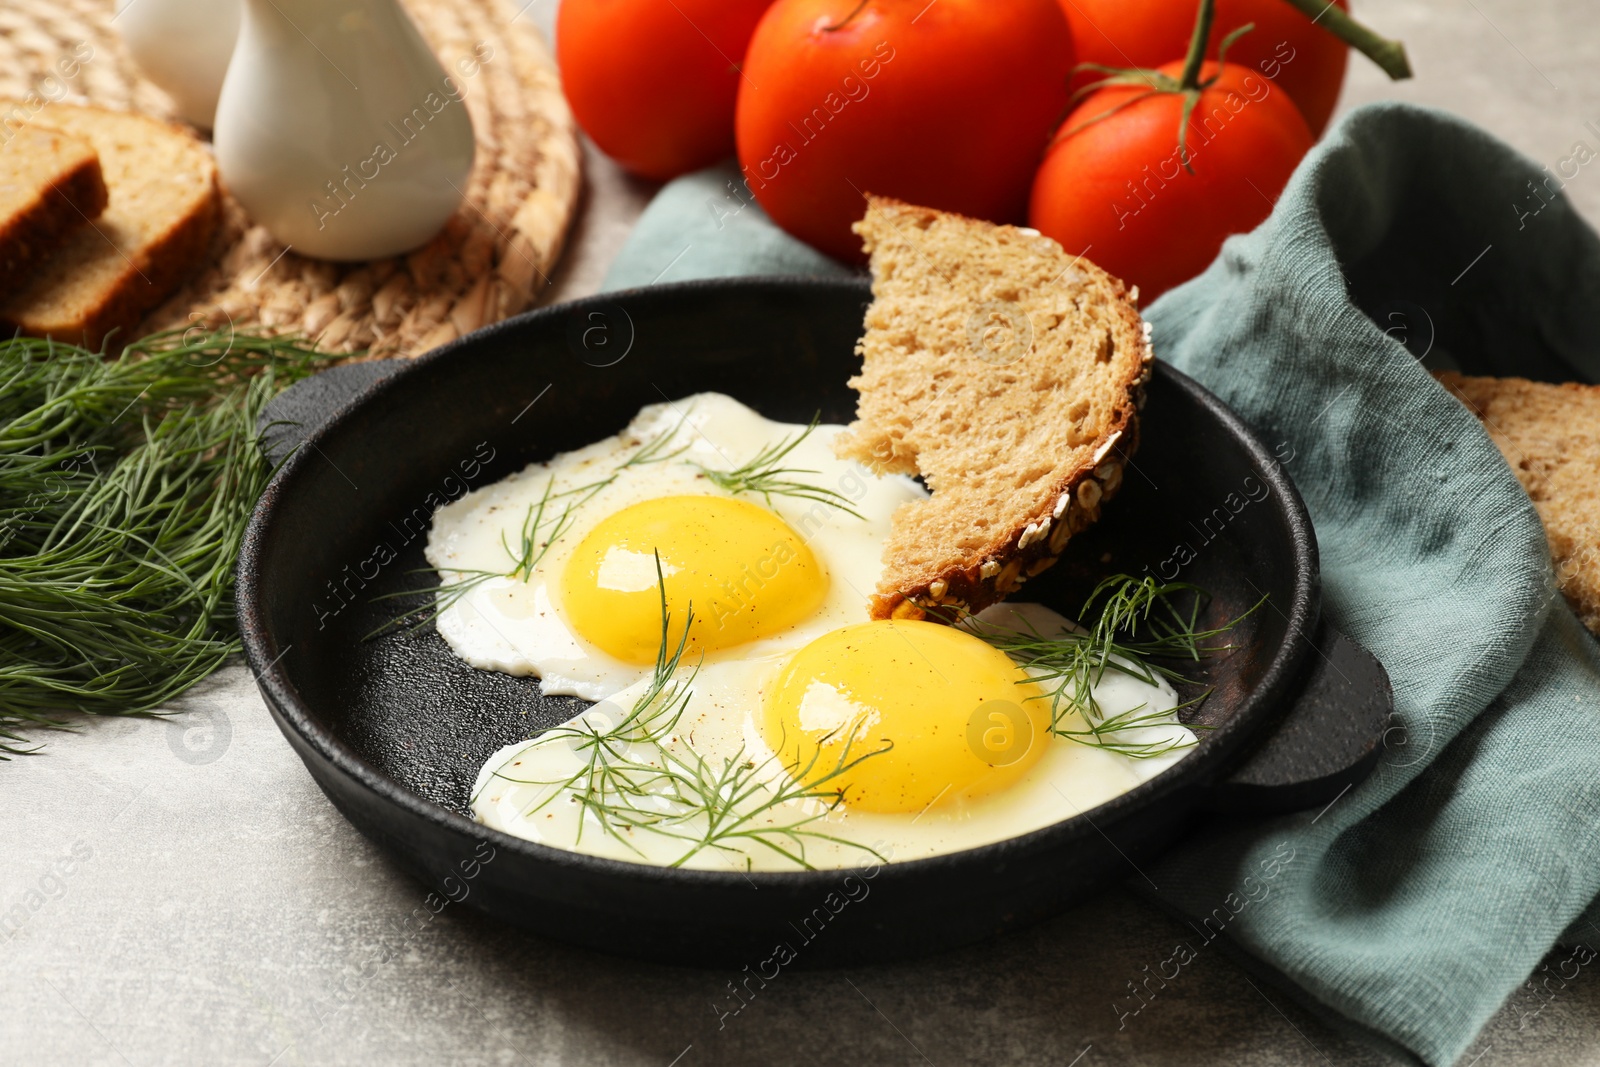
179	891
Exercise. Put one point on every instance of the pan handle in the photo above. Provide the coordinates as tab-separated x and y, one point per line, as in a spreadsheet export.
300	410
1330	739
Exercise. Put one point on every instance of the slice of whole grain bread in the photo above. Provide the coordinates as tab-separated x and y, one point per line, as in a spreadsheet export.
1550	435
1006	373
155	230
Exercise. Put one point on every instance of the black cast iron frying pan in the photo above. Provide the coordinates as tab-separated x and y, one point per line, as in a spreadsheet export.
395	729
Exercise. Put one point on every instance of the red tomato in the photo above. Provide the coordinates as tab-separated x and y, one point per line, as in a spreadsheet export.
1115	191
946	104
653	82
1305	60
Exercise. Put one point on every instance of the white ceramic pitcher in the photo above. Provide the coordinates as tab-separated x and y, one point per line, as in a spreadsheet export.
338	129
183	46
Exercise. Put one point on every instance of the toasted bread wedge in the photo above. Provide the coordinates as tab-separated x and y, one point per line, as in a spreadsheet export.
50	184
155	230
1006	373
1550	435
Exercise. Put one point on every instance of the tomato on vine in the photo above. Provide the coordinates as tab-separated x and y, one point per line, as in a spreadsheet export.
1300	56
1155	168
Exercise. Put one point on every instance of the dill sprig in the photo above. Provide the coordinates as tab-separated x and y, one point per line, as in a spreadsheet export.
542	526
125	485
1140	622
733	796
610	768
763	476
637	776
1112	732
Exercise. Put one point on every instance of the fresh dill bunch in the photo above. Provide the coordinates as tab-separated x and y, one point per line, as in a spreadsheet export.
125	485
636	776
1140	623
764	476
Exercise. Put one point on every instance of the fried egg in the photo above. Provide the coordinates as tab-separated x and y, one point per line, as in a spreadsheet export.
944	744
749	713
763	574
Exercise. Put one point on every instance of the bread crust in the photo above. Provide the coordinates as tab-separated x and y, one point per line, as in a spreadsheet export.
67	200
1032	539
1022	553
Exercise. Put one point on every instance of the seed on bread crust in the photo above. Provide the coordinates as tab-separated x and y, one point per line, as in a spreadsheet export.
1058	540
1089	494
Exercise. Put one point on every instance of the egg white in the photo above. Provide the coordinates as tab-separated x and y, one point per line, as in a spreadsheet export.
517	790
516	626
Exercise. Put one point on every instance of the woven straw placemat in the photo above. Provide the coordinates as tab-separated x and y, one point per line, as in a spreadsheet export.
493	258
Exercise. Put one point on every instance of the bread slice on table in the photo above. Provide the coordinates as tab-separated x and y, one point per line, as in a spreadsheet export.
1550	435
155	230
50	184
1006	373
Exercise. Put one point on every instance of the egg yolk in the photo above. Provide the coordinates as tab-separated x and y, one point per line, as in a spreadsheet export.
746	573
963	719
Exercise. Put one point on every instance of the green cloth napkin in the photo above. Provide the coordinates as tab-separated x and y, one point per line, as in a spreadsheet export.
1414	904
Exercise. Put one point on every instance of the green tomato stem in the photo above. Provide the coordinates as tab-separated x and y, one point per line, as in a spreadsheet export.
1389	55
1197	44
